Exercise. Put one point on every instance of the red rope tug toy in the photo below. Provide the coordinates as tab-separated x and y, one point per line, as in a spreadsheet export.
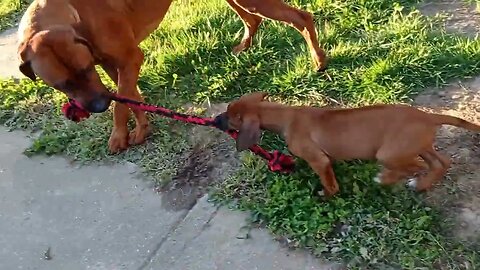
277	161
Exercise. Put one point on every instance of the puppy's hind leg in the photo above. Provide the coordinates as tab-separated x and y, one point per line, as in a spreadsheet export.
397	171
438	164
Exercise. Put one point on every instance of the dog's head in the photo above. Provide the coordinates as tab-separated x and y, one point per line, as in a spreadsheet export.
65	61
243	115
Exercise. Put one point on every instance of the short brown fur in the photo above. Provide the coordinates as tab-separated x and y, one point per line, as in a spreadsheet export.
399	137
62	40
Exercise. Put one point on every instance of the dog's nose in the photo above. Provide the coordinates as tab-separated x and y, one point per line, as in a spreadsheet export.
221	121
98	105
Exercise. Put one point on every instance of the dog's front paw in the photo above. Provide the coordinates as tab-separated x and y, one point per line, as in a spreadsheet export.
321	62
329	191
139	134
378	178
321	67
118	141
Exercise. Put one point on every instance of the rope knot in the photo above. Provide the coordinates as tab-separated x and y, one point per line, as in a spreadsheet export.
74	111
280	162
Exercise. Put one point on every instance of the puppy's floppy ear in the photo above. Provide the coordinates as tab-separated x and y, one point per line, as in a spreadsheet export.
254	97
249	133
25	66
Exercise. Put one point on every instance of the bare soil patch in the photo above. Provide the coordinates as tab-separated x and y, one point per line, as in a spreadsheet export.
460	17
459	193
212	159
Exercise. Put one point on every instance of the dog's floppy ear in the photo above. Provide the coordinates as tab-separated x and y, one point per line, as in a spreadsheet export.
249	133
25	66
84	42
26	69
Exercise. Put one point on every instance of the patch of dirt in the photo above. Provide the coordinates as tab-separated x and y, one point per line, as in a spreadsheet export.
212	159
461	17
459	193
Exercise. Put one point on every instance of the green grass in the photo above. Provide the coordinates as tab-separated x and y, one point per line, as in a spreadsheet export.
10	10
381	51
475	3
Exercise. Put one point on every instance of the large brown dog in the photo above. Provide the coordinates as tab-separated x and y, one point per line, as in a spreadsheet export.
395	135
61	41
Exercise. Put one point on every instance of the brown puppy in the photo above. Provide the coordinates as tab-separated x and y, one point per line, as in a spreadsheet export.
61	41
397	136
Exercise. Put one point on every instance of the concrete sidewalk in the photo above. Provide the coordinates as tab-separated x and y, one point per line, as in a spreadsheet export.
56	216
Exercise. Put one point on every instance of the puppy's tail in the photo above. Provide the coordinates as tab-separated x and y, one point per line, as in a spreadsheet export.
441	119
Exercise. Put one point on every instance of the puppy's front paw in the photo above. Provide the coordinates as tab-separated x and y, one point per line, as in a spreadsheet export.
378	178
118	141
329	191
412	183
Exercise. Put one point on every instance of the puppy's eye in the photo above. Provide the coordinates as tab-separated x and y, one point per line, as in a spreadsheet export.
237	116
66	85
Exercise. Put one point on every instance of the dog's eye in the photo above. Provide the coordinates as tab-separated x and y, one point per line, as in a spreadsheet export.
65	85
82	73
237	116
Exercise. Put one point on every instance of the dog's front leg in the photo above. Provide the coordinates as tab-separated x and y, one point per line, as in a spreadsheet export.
126	76
319	162
322	165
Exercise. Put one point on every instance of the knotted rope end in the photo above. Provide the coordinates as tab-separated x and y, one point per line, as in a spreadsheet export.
281	162
74	111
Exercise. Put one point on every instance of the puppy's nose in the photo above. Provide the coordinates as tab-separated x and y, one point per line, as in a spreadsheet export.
98	105
221	121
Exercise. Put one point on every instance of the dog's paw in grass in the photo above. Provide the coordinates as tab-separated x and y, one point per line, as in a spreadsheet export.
412	183
378	178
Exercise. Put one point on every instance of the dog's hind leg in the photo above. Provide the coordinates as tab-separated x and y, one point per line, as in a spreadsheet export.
251	23
299	19
438	164
395	171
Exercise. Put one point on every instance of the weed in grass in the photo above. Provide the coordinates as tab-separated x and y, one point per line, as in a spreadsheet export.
381	51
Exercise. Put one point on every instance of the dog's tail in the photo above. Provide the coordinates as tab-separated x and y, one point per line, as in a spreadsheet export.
441	119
